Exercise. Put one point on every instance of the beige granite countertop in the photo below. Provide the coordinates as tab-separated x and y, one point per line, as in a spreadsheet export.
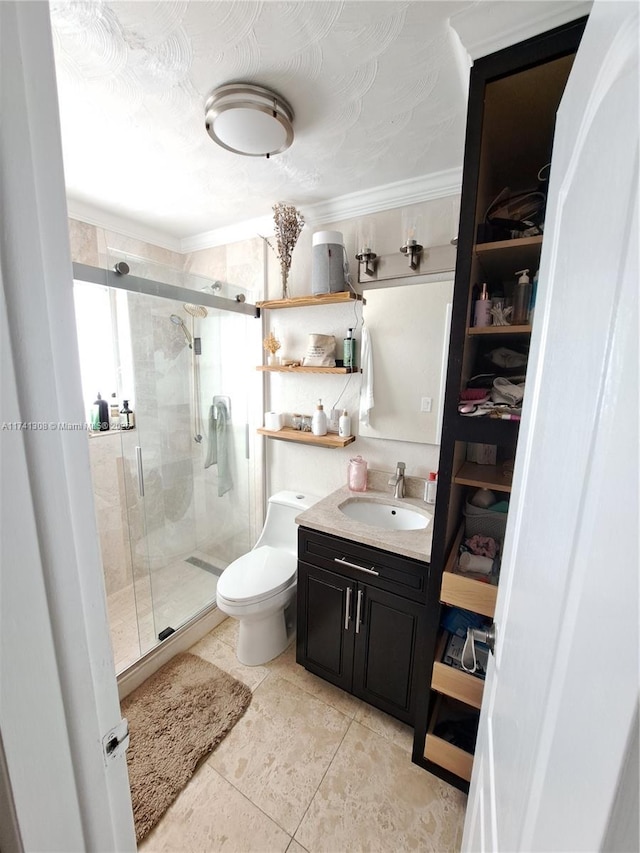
326	517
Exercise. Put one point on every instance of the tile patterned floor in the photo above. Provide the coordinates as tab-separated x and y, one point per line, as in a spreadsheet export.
307	769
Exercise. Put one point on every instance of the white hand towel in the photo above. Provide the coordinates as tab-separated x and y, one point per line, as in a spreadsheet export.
366	390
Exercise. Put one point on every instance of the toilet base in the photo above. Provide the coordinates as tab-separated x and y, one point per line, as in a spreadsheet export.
262	639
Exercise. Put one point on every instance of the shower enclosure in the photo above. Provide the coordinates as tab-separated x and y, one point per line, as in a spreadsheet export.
176	494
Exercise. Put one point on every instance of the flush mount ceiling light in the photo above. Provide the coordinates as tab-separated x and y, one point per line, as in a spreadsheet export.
249	120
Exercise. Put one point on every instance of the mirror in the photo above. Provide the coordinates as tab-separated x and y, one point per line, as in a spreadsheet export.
409	329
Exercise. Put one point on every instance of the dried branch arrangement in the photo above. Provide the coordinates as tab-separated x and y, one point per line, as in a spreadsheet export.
289	223
271	344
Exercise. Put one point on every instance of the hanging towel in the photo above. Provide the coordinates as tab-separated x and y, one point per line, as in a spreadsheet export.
218	447
366	390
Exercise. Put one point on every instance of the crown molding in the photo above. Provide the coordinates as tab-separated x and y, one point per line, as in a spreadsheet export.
492	25
101	218
247	230
386	197
351	206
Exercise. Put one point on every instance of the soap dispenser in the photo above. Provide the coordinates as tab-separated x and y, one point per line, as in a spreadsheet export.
319	420
344	424
521	299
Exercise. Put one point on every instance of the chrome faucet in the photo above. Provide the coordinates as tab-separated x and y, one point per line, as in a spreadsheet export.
398	481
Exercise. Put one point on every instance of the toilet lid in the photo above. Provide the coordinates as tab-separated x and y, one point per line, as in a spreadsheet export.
259	574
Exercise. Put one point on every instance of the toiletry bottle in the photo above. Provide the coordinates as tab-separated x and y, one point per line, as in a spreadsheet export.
534	291
100	414
431	487
482	313
127	418
521	298
344	424
319	420
357	474
349	350
114	412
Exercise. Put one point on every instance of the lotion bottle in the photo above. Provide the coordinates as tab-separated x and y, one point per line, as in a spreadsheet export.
482	314
521	299
344	425
349	350
319	420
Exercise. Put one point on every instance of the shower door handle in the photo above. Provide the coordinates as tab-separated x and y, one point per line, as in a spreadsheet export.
140	472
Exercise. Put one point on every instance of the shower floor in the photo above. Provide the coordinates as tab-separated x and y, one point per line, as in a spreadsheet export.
168	598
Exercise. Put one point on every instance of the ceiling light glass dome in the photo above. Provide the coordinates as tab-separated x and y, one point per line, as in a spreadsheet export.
249	120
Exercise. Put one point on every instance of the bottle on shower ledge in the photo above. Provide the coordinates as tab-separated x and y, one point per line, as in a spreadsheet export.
127	418
319	422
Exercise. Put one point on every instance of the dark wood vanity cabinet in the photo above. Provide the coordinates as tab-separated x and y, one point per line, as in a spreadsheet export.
359	619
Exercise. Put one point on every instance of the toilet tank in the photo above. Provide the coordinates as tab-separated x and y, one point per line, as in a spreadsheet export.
280	529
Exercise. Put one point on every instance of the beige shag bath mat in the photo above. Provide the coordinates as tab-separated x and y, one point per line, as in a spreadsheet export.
175	719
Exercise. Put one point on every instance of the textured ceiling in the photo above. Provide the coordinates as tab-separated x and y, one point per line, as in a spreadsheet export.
378	90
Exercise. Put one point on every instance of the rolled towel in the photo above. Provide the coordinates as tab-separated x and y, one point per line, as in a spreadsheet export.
473	563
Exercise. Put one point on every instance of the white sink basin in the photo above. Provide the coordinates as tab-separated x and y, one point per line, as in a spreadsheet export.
387	516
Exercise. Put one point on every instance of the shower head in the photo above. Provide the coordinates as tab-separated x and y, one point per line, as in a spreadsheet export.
177	321
195	310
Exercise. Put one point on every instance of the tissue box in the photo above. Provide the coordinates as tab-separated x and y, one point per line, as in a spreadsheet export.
273	421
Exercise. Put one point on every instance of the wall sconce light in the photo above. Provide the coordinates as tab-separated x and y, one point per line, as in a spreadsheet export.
412	250
367	260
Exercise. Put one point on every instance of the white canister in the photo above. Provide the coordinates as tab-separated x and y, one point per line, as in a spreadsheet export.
328	263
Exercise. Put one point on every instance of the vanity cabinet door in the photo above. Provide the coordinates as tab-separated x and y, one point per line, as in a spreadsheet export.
386	631
326	625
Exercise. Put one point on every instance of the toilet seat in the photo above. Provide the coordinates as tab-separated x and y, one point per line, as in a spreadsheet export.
258	575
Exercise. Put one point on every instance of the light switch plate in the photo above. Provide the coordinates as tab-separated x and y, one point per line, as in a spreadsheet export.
425	404
334	420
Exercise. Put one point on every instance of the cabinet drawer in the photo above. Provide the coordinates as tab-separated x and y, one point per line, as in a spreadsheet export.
443	753
454	682
466	592
382	569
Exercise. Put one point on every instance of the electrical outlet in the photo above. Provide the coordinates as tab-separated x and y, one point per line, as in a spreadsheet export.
425	404
334	420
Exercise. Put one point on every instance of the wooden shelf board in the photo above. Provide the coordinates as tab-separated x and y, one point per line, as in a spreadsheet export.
445	754
464	591
484	477
503	258
499	330
505	246
344	296
458	684
279	368
289	434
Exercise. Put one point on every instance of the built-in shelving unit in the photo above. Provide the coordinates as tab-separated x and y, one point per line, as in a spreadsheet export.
280	368
289	434
343	297
513	99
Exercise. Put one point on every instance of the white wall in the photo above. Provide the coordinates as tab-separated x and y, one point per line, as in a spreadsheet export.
316	469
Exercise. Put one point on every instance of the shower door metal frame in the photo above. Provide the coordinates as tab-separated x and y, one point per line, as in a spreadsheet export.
136	284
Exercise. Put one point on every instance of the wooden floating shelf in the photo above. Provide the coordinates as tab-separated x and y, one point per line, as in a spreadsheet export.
507	245
464	590
289	434
484	477
279	368
499	330
344	297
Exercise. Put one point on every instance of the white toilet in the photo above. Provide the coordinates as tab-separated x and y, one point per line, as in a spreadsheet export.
259	588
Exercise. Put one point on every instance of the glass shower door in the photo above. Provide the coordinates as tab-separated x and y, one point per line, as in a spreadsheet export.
190	454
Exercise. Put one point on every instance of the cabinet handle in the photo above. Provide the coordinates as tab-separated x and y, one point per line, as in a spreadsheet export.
347	612
343	562
359	611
